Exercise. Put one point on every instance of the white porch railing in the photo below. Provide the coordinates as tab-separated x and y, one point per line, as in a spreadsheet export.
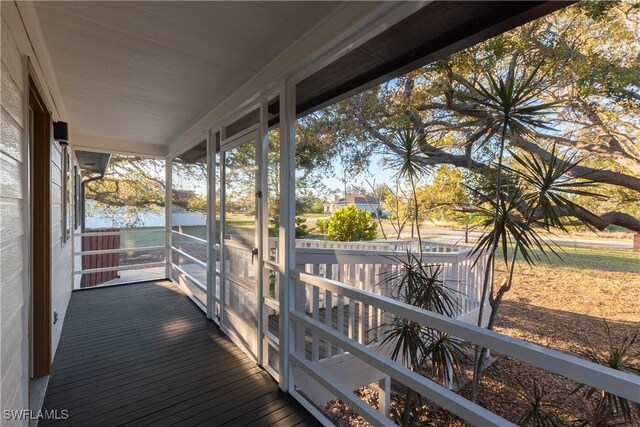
369	266
310	372
189	267
337	313
104	258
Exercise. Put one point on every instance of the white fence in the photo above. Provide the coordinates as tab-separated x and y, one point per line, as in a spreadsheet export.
337	313
369	266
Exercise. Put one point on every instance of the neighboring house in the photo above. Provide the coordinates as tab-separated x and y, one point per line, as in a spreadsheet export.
360	201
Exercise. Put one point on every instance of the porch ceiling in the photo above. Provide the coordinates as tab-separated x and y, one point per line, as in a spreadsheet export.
145	71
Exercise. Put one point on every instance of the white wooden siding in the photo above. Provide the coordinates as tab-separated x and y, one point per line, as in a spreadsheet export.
61	253
14	287
13	281
11	136
11	96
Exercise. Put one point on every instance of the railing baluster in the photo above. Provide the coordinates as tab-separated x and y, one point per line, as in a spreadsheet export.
328	314
340	320
315	313
352	318
361	322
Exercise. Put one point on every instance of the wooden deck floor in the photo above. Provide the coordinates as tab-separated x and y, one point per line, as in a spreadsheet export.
143	354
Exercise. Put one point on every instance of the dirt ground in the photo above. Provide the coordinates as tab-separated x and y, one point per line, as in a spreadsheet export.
564	306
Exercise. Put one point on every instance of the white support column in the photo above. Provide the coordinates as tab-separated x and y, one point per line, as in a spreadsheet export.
211	224
223	281
168	203
287	256
263	233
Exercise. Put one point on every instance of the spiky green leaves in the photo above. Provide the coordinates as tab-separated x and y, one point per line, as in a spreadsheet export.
508	105
619	356
408	159
421	285
509	227
534	404
550	184
538	198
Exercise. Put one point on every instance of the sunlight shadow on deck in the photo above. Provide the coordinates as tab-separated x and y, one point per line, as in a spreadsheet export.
145	354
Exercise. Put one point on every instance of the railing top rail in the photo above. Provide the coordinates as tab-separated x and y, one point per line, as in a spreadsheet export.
121	268
189	257
616	382
119	250
370	242
120	232
346	256
358	245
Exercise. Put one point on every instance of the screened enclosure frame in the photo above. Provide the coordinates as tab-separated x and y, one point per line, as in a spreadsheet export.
293	370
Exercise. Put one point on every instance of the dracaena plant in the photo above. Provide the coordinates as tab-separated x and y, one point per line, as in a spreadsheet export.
596	413
534	405
411	343
540	191
408	161
619	356
504	107
539	199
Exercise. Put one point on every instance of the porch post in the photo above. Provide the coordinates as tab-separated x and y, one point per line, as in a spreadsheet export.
221	194
263	233
211	225
287	241
168	203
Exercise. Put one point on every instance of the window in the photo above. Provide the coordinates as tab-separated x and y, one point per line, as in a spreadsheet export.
66	195
76	197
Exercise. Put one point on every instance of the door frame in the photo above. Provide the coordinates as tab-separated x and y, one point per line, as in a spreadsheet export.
39	137
240	138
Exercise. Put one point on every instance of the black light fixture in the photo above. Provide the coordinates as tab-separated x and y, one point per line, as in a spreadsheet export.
61	133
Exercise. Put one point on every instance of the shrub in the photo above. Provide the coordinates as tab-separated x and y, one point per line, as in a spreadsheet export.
317	207
350	224
322	225
302	230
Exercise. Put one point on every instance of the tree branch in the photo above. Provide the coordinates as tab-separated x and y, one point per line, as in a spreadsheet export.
603	176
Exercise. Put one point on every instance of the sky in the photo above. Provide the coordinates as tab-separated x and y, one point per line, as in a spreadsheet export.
376	172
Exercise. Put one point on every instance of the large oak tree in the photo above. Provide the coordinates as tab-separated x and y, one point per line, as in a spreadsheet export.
589	57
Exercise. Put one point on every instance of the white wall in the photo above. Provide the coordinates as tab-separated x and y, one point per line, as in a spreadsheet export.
21	37
14	291
61	253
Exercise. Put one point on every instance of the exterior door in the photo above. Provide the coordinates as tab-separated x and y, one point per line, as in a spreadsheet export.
240	242
40	201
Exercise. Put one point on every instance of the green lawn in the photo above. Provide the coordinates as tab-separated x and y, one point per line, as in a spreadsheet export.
592	258
140	240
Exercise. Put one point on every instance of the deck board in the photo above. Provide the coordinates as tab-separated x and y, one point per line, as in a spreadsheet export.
144	354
